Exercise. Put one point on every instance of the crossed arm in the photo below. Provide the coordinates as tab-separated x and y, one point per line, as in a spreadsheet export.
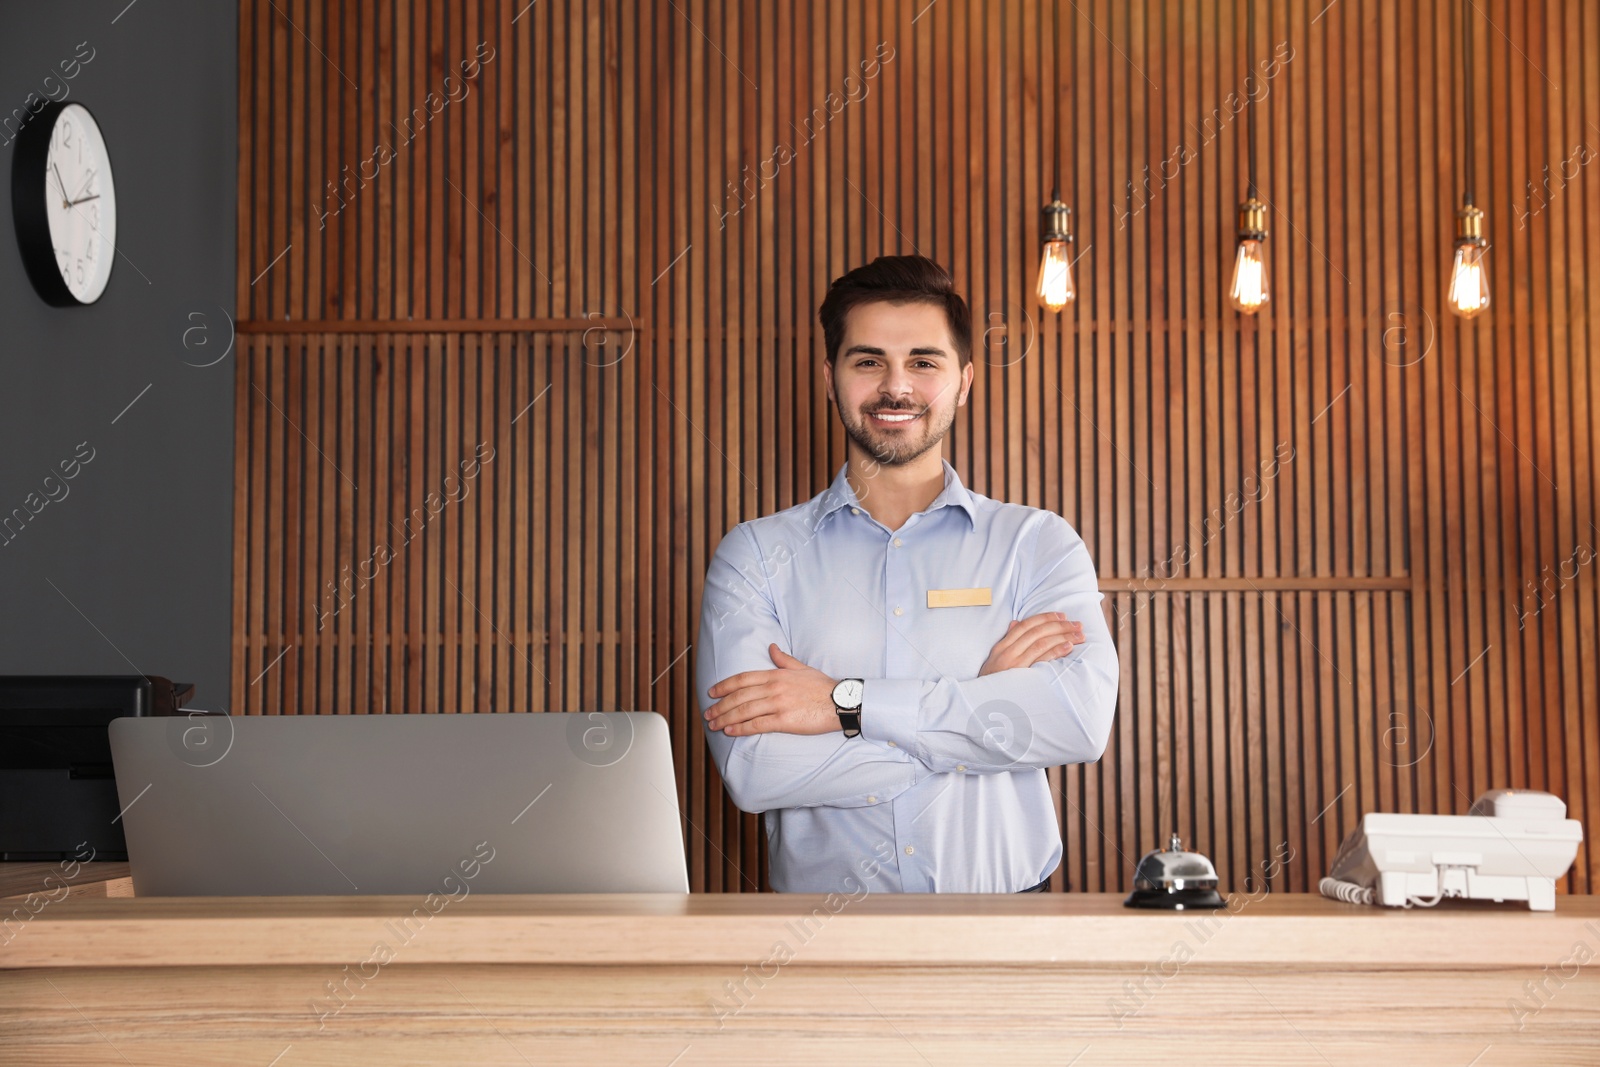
1044	697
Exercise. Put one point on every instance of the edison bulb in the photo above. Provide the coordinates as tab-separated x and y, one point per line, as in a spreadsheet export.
1469	281
1056	290
1249	289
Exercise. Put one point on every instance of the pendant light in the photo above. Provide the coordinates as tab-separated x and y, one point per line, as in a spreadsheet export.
1469	279
1055	289
1249	289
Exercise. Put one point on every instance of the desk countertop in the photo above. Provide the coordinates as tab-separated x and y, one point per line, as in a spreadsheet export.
1079	929
95	975
95	879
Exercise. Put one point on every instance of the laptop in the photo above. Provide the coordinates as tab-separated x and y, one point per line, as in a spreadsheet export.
220	805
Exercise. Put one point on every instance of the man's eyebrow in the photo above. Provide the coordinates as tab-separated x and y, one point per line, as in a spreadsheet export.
873	350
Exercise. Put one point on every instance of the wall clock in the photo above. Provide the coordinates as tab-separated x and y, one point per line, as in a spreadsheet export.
64	204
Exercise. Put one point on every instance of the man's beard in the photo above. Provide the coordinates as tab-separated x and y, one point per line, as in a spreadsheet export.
891	452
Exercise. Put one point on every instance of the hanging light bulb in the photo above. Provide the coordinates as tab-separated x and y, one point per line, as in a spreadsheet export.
1249	290
1469	277
1468	294
1056	290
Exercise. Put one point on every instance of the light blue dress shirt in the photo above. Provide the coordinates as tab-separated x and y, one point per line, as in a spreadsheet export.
945	789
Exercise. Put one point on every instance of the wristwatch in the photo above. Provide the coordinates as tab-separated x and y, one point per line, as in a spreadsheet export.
847	702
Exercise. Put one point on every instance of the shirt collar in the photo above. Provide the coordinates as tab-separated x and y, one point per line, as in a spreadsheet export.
841	495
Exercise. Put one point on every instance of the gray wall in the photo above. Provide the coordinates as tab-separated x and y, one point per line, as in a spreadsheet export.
130	570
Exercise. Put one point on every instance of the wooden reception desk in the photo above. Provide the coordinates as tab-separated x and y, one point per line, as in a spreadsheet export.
98	976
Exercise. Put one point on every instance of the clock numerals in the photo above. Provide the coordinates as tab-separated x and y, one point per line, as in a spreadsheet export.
77	211
66	142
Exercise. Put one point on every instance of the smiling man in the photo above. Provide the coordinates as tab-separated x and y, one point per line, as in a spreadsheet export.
888	669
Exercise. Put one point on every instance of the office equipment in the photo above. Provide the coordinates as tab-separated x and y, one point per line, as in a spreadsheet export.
444	805
1174	879
1512	845
57	797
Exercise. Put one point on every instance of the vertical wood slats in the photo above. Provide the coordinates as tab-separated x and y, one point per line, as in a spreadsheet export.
608	165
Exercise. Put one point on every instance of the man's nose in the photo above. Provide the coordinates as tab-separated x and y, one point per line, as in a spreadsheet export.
896	384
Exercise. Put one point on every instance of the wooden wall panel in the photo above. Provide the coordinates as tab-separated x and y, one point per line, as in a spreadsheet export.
1347	546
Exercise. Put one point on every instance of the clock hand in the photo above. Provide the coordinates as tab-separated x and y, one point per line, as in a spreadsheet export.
84	200
87	178
62	183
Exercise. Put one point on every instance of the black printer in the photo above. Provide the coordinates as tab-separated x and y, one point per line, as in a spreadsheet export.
57	790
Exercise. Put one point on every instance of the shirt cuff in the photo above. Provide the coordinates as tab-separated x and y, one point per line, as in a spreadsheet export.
891	712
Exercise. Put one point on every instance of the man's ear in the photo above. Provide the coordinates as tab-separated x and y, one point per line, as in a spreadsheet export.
827	380
966	384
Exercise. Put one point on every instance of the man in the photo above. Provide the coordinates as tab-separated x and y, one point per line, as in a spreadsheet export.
888	669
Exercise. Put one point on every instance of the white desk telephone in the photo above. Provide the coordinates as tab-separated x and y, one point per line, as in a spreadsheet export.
1512	845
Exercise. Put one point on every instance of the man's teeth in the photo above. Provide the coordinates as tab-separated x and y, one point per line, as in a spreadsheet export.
892	418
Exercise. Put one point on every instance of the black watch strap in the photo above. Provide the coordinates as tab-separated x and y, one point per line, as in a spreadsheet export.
851	721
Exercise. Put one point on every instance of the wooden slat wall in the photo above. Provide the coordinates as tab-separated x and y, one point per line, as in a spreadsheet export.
1387	598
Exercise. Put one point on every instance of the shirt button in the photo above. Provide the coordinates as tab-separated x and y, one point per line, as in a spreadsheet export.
897	542
899	611
911	850
855	511
872	800
961	766
893	745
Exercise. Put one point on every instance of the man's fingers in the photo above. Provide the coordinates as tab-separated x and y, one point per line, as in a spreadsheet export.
1033	640
1022	631
735	682
1047	657
1045	653
742	712
731	705
761	724
1050	641
1034	625
726	685
1057	631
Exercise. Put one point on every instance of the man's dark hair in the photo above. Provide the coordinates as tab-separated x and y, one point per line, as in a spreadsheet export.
896	280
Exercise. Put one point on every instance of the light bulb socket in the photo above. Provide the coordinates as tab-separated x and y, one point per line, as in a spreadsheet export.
1469	226
1252	220
1057	222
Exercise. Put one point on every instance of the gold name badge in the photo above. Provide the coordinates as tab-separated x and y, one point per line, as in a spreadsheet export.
958	598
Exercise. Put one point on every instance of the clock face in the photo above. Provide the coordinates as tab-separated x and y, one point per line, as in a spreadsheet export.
849	693
80	203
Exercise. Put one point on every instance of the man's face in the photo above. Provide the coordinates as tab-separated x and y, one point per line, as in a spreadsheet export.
897	380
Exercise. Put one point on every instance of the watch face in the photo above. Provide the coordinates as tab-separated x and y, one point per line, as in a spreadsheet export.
80	203
847	694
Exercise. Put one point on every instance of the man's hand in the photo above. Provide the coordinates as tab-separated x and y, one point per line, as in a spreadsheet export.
794	699
1033	640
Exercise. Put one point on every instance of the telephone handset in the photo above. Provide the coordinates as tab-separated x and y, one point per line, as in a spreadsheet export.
1511	845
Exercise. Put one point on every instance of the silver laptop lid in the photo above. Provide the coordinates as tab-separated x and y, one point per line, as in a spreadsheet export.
399	804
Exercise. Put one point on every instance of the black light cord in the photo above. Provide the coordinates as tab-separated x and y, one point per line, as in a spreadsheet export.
1055	93
1467	92
1249	50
